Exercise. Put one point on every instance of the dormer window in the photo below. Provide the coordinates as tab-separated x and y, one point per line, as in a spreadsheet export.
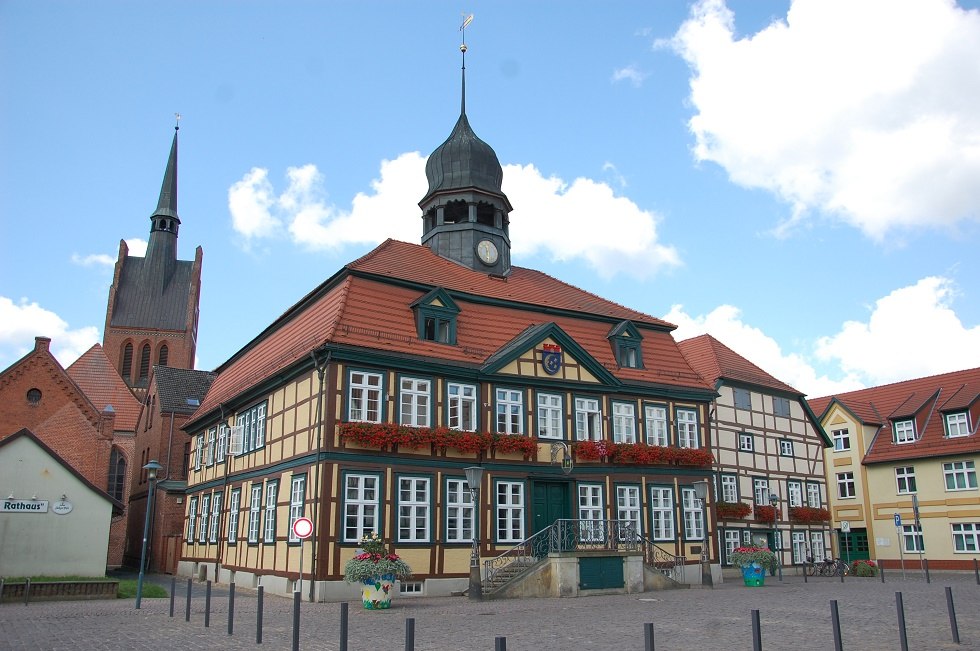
904	431
626	345
435	317
957	425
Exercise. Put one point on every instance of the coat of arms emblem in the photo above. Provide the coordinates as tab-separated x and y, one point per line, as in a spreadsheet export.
551	358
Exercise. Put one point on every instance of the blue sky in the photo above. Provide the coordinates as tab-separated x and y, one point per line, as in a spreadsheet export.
798	179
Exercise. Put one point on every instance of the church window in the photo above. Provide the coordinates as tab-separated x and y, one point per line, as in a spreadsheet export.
164	356
127	361
456	212
117	474
34	396
145	362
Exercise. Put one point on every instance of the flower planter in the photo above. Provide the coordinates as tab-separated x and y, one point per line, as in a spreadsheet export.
376	592
754	575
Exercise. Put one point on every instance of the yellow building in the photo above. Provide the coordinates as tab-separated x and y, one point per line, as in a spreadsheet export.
902	472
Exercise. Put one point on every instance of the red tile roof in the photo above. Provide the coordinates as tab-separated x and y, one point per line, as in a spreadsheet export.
98	379
927	400
716	361
366	306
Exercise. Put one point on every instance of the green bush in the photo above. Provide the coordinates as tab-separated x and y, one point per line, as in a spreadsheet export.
864	568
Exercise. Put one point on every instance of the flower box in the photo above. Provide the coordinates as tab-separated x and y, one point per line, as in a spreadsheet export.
808	514
764	513
732	510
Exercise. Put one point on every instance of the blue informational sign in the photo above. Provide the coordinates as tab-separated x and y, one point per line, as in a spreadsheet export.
898	520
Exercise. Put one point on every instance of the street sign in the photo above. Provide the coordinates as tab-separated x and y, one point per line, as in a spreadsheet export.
898	520
302	528
845	526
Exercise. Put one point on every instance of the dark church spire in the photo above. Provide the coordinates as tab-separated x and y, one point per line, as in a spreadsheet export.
161	251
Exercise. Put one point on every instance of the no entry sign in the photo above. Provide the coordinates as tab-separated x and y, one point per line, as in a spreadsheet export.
303	527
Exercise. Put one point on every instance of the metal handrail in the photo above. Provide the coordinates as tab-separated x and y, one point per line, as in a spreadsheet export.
668	564
525	553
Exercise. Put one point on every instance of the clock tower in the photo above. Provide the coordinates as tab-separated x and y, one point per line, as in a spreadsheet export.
465	215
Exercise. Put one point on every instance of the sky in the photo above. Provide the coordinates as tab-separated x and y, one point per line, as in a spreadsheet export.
799	179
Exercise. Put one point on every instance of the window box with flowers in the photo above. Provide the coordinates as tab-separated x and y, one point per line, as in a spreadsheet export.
808	514
387	435
592	450
764	513
641	454
526	446
376	570
732	510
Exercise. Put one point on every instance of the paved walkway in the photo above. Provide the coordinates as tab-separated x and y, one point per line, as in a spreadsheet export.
793	614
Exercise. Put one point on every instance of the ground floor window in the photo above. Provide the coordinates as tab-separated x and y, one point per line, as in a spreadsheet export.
361	497
912	538
216	503
662	513
590	506
628	507
233	507
191	519
413	509
966	537
459	511
730	541
297	499
817	548
693	515
510	511
798	540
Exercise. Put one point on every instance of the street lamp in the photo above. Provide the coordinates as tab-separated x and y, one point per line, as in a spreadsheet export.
151	476
776	540
701	491
474	475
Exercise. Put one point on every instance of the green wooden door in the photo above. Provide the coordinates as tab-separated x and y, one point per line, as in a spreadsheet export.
595	573
853	545
550	501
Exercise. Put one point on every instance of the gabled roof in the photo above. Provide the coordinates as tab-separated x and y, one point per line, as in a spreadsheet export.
366	307
95	375
534	335
928	399
181	390
717	362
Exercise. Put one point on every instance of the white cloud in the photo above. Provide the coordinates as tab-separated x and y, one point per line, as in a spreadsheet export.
21	322
551	215
137	247
865	110
631	74
913	332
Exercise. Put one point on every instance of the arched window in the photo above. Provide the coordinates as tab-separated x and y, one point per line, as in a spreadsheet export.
145	362
127	361
164	355
117	474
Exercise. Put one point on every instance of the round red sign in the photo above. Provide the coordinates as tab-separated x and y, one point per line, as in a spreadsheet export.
303	527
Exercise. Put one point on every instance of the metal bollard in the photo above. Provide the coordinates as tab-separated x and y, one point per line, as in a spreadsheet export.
187	607
952	615
410	634
976	570
231	608
756	632
648	636
258	616
343	626
297	600
207	605
881	571
500	643
2	581
835	622
925	564
903	637
173	593
27	592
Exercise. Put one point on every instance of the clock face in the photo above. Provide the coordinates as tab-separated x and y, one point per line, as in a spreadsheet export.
487	251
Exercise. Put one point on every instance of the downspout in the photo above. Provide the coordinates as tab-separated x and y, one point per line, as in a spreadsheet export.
321	370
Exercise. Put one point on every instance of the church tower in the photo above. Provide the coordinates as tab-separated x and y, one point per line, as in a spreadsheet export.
151	318
465	214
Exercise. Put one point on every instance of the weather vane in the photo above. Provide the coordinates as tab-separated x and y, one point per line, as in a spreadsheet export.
177	119
462	29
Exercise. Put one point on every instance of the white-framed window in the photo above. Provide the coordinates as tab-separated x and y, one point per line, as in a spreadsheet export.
459	511
794	493
729	488
662	513
510	411
780	406
693	515
817	549
191	518
271	509
785	448
202	519
957	425
510	511
746	442
462	406
209	448
222	450
655	420
731	540
628	507
234	505
413	509
760	490
414	399
905	479
297	502
960	475
912	539
845	485
361	504
813	497
966	537
550	418
252	422
199	452
216	503
588	420
590	512
624	422
904	431
842	439
254	513
364	398
798	541
743	398
687	428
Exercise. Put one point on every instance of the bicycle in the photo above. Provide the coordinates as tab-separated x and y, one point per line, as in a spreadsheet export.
834	567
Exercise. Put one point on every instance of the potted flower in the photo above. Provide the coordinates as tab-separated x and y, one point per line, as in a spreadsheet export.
753	561
864	568
376	570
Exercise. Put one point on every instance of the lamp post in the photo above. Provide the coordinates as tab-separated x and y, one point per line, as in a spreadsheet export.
474	475
701	491
776	540
151	476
